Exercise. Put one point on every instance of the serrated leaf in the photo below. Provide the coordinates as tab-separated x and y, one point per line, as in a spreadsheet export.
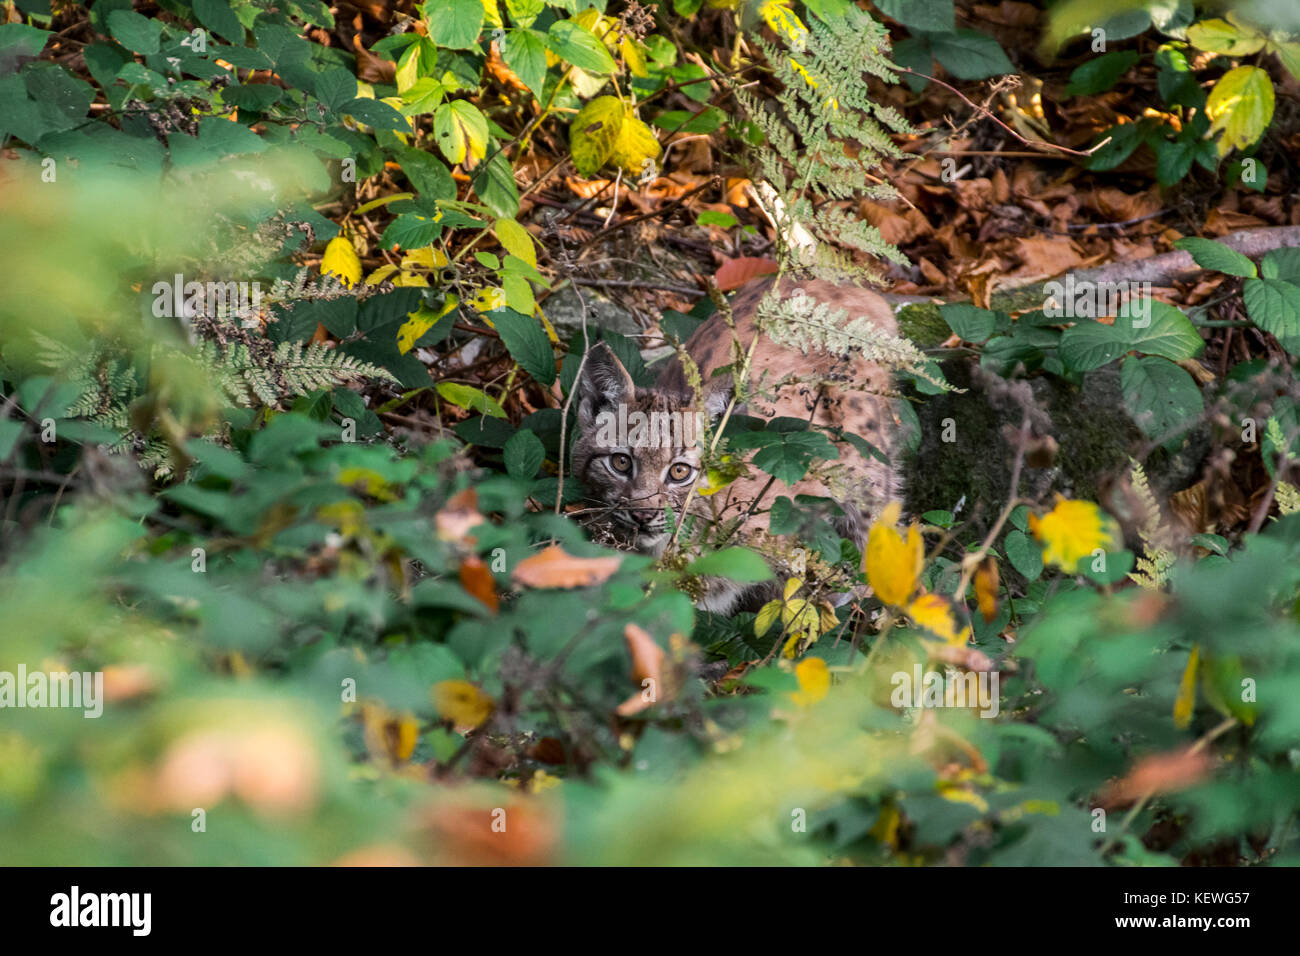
1241	105
1220	36
1282	264
527	344
524	454
524	51
466	396
635	148
1024	554
594	133
135	31
461	131
341	260
575	44
1161	398
1164	331
516	240
1215	255
454	24
1274	305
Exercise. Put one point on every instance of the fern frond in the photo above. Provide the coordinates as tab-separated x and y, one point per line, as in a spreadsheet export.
1158	556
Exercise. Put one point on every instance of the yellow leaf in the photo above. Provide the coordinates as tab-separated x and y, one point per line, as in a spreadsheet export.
784	22
488	299
425	258
885	829
421	321
636	147
515	239
492	14
1241	104
767	616
632	57
986	588
1071	531
594	132
937	615
1185	702
341	260
462	703
370	482
814	681
380	274
893	565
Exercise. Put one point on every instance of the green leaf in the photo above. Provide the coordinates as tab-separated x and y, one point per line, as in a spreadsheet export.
968	55
1161	398
526	342
376	114
455	24
1100	73
18	40
932	16
217	16
1282	264
1024	554
135	31
1165	331
1220	36
969	322
336	88
1215	255
494	183
1274	305
525	53
786	455
427	173
574	43
466	396
524	12
738	564
524	454
1090	345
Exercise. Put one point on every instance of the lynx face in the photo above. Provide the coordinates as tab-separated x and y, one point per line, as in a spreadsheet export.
631	476
638	451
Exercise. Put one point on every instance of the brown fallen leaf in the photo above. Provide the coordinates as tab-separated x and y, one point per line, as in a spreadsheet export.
477	580
647	670
458	516
553	568
1156	774
734	273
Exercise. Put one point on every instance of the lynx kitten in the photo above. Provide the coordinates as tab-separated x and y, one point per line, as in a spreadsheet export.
640	450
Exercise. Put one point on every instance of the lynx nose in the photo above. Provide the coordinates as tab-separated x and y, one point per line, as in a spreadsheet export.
646	517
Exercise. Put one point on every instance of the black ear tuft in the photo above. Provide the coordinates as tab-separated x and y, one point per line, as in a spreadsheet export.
604	383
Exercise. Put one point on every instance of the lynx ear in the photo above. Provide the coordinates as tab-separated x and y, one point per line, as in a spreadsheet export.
604	383
717	394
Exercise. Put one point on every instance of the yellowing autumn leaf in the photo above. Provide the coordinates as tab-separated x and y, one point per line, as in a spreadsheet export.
986	588
1241	105
462	703
636	146
515	239
594	133
784	22
488	299
389	733
1185	702
461	131
421	321
341	260
893	565
647	670
553	568
937	615
814	681
1220	36
1072	531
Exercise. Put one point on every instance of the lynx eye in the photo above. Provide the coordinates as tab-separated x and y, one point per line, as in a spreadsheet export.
621	463
680	472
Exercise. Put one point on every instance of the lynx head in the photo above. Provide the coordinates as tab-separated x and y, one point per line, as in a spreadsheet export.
638	450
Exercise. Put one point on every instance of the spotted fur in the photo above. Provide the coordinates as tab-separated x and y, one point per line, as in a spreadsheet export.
630	505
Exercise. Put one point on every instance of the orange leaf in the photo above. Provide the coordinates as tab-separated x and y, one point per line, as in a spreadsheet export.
553	568
1158	773
986	588
647	665
476	579
458	516
736	272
